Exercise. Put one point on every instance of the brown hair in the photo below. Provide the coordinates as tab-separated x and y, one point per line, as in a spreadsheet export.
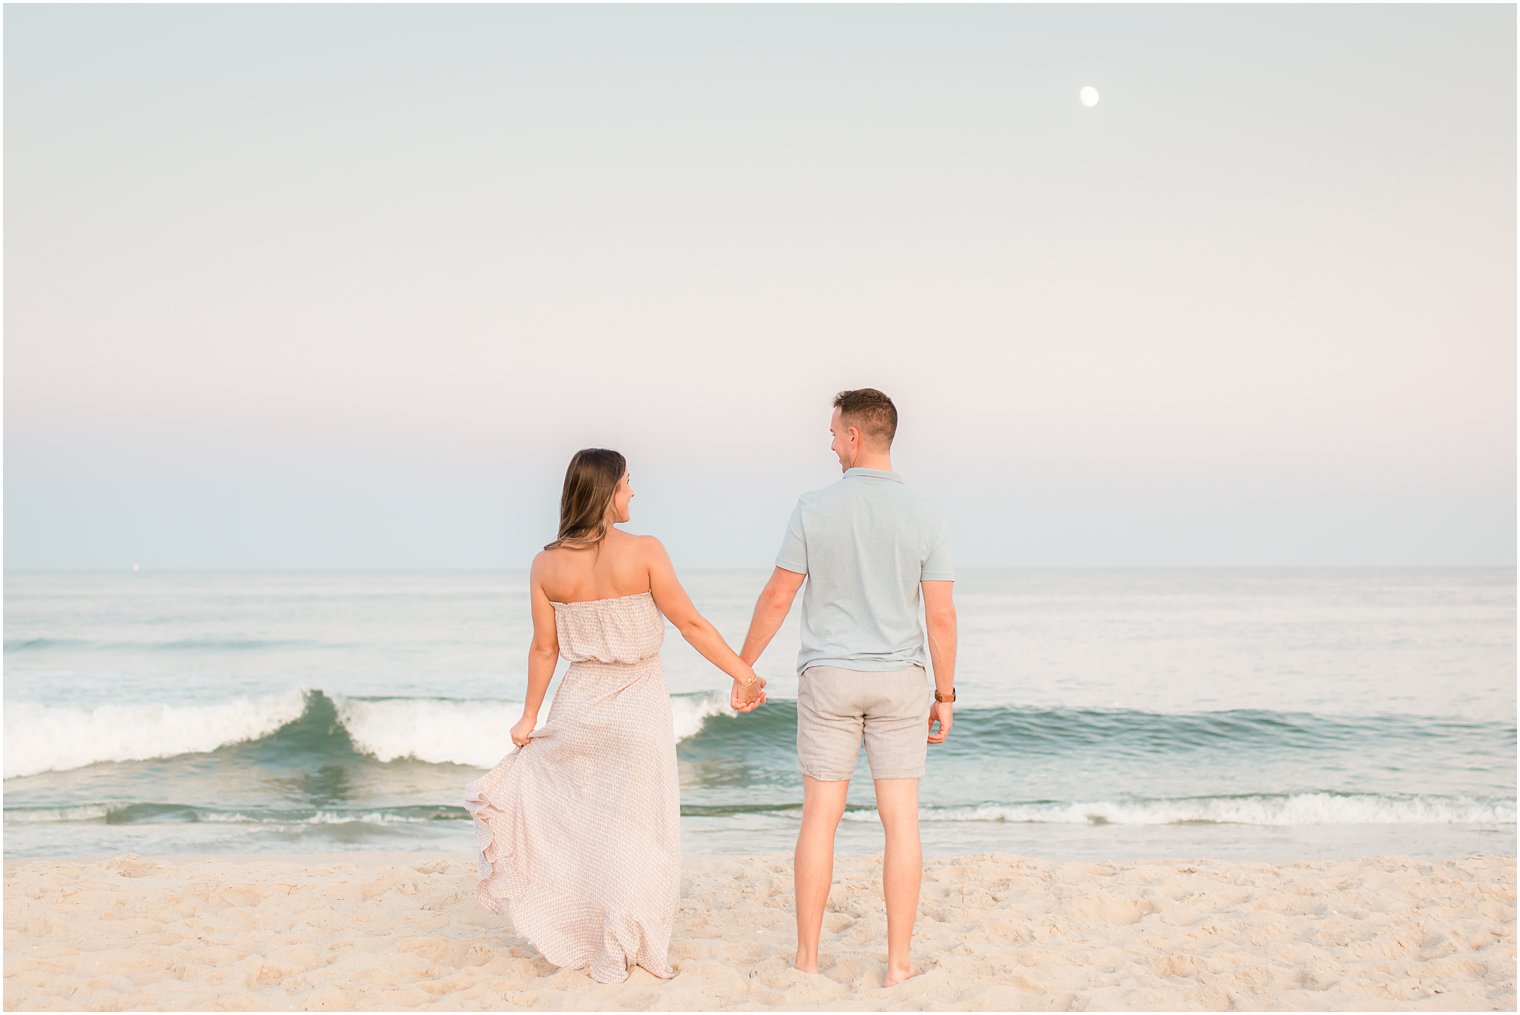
590	482
870	411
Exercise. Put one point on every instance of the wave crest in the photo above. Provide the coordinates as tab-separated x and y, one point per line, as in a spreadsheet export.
48	738
459	731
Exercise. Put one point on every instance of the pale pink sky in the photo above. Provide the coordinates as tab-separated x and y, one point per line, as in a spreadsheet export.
346	286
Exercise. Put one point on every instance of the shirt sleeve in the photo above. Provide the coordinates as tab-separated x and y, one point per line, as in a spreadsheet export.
793	553
937	566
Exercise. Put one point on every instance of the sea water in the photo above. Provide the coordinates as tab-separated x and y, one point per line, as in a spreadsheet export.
1243	713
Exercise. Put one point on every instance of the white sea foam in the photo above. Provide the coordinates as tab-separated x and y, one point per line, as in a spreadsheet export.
47	738
319	818
48	815
368	818
437	730
1294	809
99	812
469	732
690	712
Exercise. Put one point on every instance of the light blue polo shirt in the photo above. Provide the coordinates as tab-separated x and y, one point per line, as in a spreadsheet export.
865	543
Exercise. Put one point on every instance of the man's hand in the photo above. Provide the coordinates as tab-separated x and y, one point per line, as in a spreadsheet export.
747	697
942	712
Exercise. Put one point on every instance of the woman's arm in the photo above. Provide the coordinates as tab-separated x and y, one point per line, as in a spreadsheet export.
672	601
543	654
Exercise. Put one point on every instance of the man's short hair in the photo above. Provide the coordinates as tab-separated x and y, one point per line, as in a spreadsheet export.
869	411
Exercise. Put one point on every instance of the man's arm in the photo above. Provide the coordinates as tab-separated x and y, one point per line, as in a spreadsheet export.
939	617
771	608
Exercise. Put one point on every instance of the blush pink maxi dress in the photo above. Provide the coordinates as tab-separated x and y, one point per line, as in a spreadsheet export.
579	832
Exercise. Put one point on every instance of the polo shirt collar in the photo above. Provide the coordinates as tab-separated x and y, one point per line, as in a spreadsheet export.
874	473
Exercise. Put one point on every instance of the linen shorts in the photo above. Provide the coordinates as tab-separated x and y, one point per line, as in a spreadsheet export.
888	709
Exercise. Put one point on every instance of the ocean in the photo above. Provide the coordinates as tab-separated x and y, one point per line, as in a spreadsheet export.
1275	714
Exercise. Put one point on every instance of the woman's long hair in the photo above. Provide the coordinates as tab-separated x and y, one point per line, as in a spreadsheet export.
590	482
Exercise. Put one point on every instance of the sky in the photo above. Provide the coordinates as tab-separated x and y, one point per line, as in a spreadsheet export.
297	286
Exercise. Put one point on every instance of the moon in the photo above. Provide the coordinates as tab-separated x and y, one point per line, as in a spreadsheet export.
1089	96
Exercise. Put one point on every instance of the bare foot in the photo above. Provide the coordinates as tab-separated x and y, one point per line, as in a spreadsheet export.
805	965
894	976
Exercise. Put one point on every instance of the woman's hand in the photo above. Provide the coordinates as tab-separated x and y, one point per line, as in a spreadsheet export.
744	697
523	730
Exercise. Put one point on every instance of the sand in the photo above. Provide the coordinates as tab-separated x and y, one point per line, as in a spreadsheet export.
380	931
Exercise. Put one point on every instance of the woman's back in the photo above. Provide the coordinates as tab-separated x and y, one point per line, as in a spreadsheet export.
618	567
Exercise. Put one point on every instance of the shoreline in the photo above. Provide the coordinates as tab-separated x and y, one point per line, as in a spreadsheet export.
401	929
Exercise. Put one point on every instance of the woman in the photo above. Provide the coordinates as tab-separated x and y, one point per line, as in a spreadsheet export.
579	828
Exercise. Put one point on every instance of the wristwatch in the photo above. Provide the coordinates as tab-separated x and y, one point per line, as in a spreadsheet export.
942	698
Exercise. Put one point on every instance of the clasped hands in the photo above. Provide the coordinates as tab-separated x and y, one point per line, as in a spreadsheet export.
747	697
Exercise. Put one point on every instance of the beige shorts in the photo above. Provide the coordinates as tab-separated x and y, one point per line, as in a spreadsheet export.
837	708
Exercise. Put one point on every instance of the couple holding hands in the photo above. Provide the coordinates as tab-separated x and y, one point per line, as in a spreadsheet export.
579	827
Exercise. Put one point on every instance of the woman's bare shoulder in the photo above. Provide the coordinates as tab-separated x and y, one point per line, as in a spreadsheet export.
651	553
545	564
632	543
636	541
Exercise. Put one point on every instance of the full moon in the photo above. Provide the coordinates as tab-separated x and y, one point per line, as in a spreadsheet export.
1089	96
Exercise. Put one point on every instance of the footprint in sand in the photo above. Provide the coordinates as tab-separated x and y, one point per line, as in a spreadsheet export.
130	865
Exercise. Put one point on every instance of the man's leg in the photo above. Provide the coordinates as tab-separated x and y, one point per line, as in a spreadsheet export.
813	864
902	870
896	737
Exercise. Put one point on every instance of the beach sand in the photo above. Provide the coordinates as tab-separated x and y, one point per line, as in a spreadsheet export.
378	931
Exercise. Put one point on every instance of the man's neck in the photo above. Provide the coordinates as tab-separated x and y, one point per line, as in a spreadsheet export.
881	463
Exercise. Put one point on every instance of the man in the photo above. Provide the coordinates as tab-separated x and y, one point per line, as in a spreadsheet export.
866	547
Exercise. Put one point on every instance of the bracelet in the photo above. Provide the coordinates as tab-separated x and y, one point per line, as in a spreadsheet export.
938	697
